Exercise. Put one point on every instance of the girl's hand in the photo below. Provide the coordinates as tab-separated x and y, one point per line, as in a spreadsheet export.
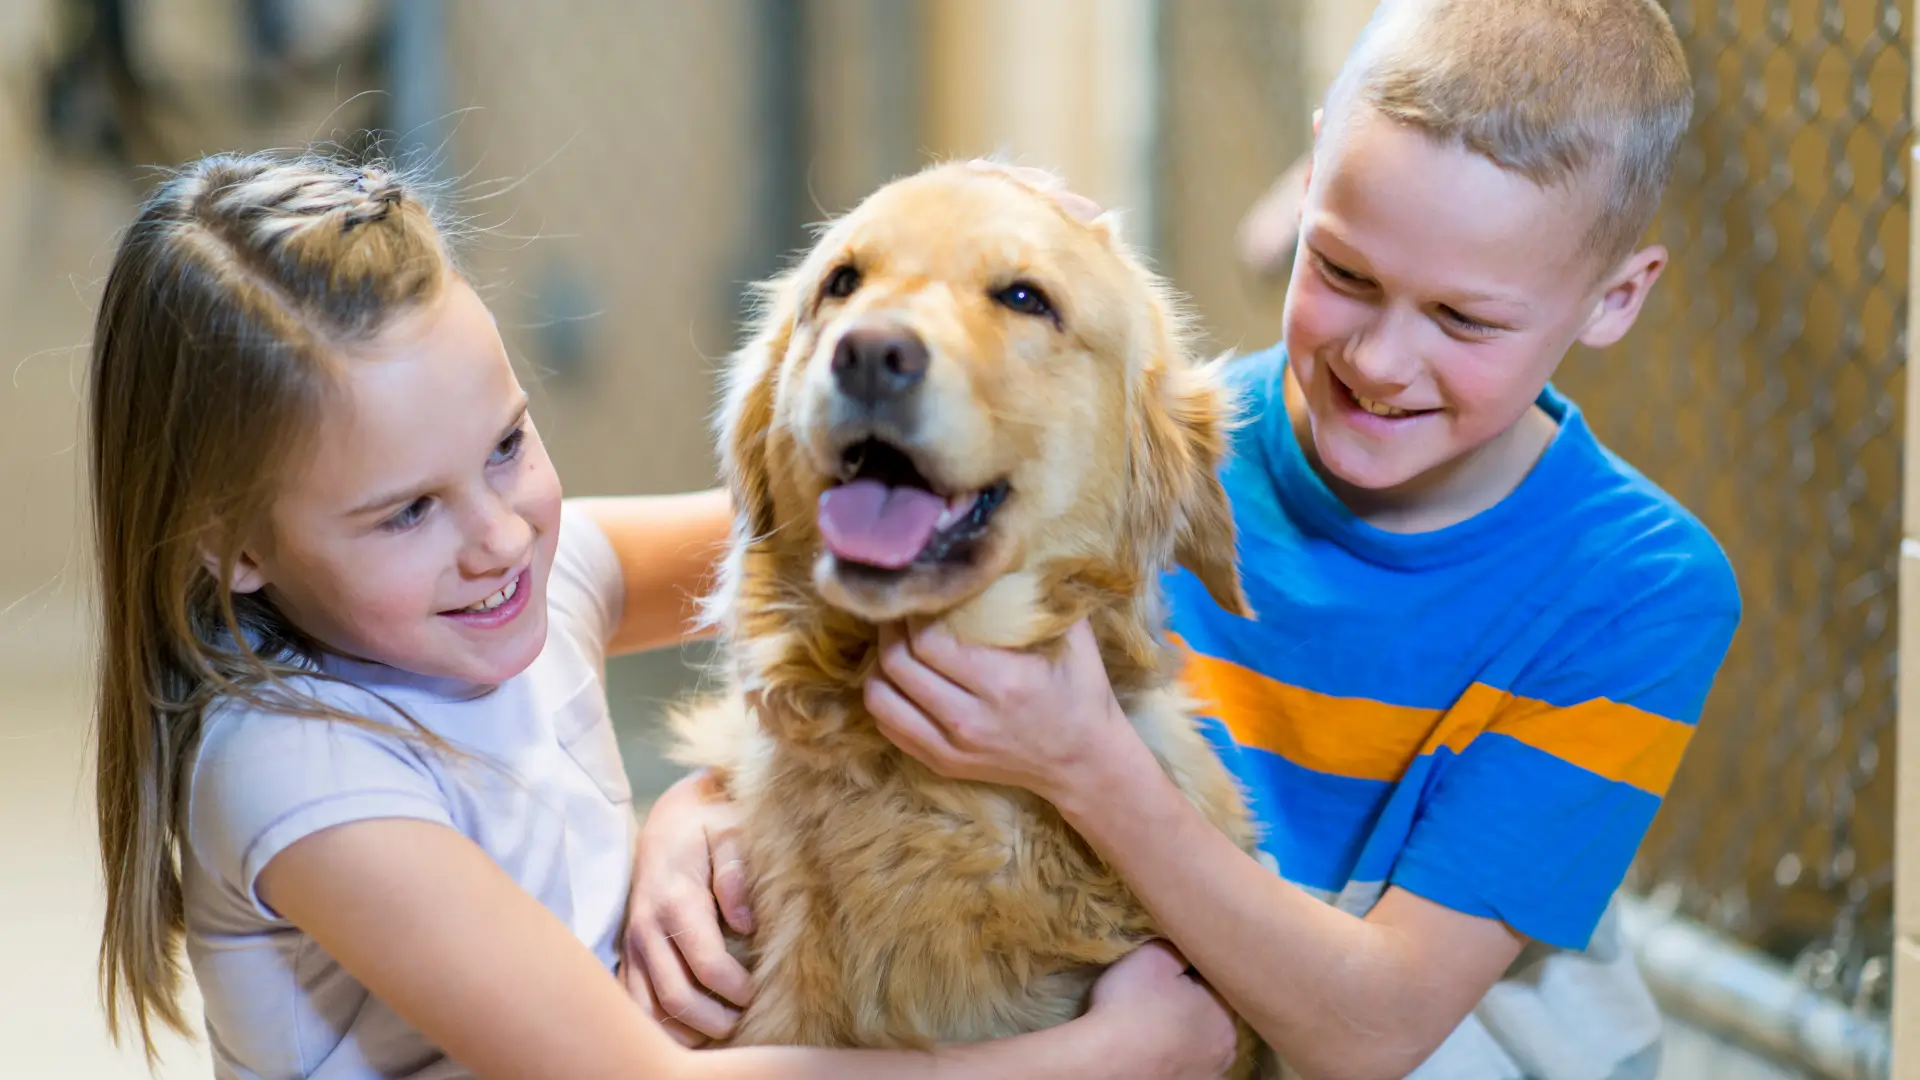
992	715
1177	1026
689	868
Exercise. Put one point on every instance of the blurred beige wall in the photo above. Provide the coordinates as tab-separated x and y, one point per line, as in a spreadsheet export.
621	135
1059	85
1234	113
52	227
1328	29
56	225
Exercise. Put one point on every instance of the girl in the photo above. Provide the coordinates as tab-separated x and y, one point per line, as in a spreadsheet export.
354	748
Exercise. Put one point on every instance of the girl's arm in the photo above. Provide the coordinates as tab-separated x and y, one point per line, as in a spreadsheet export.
668	546
429	924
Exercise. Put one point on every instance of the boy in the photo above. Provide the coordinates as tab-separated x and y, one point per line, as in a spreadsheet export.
1482	641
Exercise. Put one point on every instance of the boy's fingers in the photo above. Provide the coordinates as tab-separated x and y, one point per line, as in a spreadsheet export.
1026	174
1080	637
905	725
921	679
969	668
1077	206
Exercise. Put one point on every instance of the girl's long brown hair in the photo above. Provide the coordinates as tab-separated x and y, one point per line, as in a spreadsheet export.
227	305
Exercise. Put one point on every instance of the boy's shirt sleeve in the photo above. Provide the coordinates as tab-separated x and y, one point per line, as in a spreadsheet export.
1536	820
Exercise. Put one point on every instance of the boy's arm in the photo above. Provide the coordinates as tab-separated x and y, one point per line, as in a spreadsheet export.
668	547
1531	826
1339	996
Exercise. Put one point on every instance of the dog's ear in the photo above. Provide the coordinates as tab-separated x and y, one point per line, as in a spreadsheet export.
745	417
1182	417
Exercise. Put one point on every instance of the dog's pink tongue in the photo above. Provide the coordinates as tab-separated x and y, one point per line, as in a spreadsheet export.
868	522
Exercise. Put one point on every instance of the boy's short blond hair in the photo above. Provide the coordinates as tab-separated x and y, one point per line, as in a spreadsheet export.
1590	95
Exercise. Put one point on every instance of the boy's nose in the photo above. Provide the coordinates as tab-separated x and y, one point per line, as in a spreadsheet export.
1379	362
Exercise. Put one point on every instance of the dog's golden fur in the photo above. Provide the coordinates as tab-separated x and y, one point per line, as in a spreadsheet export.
897	908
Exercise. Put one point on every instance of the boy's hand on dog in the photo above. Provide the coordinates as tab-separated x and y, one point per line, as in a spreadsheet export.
1189	1032
689	868
1077	206
975	713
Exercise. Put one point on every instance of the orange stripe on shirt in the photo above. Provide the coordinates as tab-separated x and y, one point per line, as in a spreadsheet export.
1622	743
1354	737
1372	740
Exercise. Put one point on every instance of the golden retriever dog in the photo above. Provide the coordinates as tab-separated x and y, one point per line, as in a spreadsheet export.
964	404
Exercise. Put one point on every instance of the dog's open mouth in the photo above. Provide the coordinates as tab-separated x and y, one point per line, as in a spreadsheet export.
885	514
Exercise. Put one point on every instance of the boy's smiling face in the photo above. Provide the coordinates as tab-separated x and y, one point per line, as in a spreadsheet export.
1433	296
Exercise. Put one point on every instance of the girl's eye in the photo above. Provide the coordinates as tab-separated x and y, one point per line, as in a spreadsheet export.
408	516
508	448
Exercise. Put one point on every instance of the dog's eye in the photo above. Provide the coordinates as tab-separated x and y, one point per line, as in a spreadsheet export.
1025	298
842	282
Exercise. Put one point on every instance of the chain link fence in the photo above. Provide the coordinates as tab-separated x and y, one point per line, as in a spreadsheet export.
1764	391
1762	388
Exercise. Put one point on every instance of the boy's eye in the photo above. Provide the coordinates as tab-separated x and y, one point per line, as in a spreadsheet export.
1340	275
408	515
508	448
1467	322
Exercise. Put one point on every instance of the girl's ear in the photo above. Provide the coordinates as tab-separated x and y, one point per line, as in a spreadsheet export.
246	575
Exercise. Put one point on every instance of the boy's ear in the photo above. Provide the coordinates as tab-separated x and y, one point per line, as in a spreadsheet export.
1622	295
1306	159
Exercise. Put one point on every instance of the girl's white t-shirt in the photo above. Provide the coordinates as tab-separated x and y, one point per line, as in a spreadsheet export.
548	800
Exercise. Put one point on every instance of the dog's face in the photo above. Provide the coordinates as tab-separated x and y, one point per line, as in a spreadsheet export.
962	379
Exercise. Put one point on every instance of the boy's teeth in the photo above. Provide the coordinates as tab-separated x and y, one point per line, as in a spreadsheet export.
1378	409
498	598
957	507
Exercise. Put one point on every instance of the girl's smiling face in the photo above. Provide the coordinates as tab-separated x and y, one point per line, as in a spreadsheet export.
421	530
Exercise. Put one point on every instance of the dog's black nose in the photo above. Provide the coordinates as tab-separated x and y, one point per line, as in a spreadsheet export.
874	365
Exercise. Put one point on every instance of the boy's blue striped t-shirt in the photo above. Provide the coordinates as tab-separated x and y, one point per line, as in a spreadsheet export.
1487	715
